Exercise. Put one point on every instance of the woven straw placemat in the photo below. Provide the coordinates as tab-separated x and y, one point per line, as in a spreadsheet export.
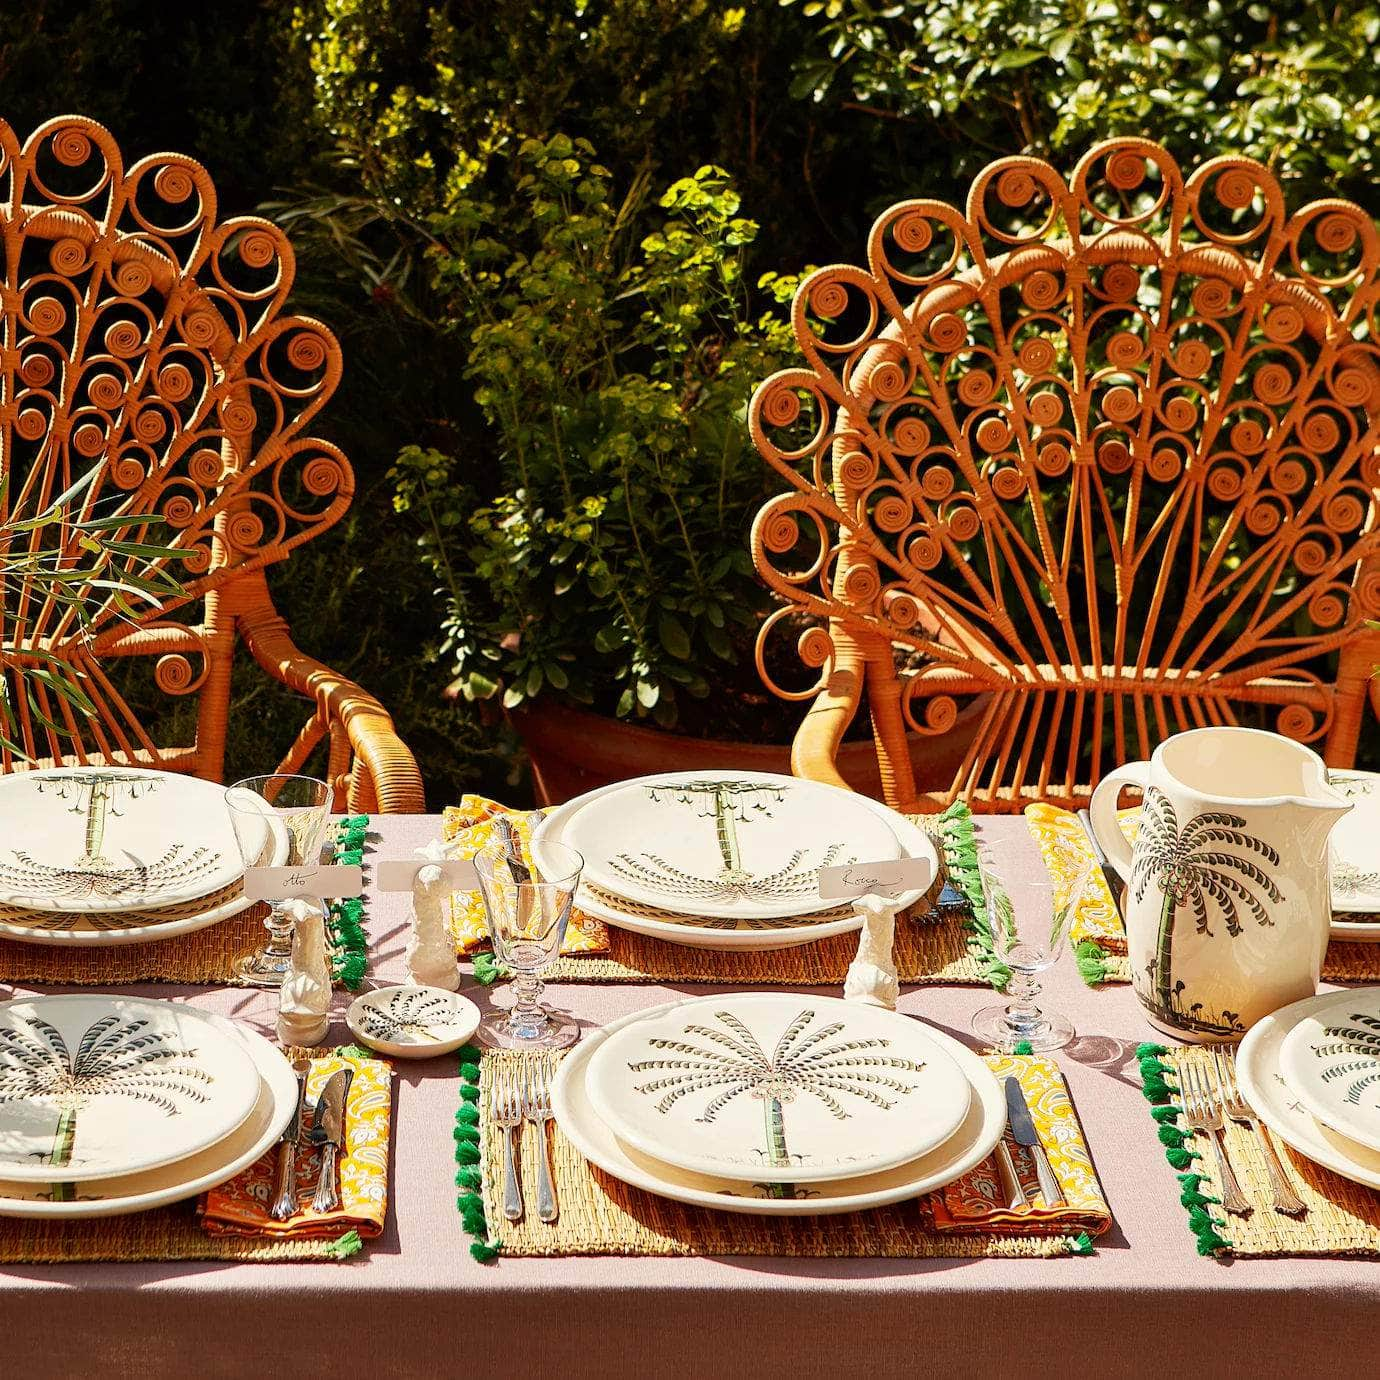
935	942
1343	963
172	1233
600	1215
1343	1218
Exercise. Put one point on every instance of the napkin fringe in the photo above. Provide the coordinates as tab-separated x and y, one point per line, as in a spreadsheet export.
1091	959
1159	1092
467	1156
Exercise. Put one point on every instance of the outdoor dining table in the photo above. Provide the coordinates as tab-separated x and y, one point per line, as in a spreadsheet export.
416	1303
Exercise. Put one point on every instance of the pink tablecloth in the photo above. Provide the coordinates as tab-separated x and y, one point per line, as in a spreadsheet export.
417	1305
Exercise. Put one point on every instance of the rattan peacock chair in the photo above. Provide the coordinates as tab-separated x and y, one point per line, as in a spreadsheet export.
148	343
1090	463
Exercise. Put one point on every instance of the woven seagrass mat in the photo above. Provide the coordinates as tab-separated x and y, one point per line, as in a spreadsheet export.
203	957
171	1233
1343	1217
932	946
599	1215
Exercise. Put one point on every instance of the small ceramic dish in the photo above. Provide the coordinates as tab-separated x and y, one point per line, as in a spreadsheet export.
412	1022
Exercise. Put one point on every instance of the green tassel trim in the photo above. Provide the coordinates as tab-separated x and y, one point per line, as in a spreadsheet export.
958	839
1023	1047
1082	1244
1091	959
468	1176
345	919
343	1247
1155	1076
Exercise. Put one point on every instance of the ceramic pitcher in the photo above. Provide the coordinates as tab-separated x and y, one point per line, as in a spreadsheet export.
1227	902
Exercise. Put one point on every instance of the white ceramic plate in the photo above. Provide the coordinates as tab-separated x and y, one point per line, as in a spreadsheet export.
758	935
100	1085
779	1087
1331	1062
971	1144
1355	846
96	840
125	934
744	845
1274	1102
412	1022
273	1109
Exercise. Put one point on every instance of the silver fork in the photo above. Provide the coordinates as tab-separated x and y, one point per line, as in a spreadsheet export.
536	1107
507	1116
1202	1114
1238	1109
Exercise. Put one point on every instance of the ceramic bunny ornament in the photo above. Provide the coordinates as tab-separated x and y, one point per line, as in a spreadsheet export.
304	1000
431	959
871	977
1228	903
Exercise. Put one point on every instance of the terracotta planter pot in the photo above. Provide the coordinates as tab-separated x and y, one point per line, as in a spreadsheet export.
574	751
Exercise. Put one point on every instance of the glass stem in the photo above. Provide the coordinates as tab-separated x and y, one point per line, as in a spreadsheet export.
1022	1013
278	923
527	1015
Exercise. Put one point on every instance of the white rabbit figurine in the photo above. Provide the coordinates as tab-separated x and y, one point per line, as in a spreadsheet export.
431	958
871	976
304	1000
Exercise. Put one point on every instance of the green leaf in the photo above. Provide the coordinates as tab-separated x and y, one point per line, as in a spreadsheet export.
673	636
647	694
1018	57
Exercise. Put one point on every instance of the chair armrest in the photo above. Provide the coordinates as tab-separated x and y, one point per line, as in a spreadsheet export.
384	775
814	753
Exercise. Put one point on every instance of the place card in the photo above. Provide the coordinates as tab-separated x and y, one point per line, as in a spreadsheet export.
400	874
303	883
893	878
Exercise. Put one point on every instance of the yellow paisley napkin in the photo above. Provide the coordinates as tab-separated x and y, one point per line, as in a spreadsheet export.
240	1207
468	827
1097	918
977	1201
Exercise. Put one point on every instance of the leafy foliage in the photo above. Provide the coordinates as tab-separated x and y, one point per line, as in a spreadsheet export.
1292	82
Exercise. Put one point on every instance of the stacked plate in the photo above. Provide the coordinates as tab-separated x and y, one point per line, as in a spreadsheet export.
110	1105
778	1104
1311	1072
726	860
118	855
1355	868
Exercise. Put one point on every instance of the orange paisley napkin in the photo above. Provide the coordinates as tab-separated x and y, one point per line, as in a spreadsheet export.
977	1203
469	827
240	1207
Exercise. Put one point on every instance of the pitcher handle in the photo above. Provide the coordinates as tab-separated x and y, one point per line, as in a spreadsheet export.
1102	812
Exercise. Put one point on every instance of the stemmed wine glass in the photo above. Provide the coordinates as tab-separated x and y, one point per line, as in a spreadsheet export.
279	821
1029	918
527	921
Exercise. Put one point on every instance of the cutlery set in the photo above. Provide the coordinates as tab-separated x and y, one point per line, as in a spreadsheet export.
518	1098
324	1128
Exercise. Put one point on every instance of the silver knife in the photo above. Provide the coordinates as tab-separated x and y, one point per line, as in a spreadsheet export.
285	1198
328	1131
1022	1126
1109	876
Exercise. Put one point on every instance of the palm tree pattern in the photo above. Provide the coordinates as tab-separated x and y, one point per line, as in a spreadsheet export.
729	803
407	1016
1352	1052
1193	868
116	1057
804	1062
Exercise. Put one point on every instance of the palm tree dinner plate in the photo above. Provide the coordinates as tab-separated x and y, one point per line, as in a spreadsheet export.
742	845
1331	1061
114	1197
1355	844
412	1022
101	930
581	1124
102	840
781	932
94	1086
778	1087
1274	1101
